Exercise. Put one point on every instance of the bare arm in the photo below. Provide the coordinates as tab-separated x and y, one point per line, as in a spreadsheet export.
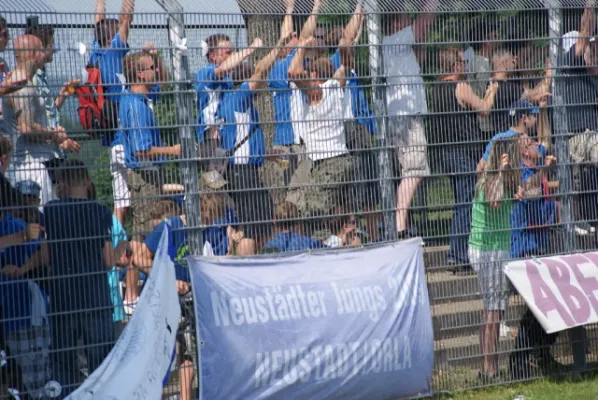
296	71
112	255
165	151
143	259
236	58
12	240
100	12
588	23
309	28
287	23
353	28
424	21
467	96
544	129
263	67
126	19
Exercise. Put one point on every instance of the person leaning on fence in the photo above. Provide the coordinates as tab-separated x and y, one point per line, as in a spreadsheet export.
79	232
140	136
109	48
319	120
580	71
406	100
242	136
457	108
212	80
178	249
25	307
360	126
36	143
479	70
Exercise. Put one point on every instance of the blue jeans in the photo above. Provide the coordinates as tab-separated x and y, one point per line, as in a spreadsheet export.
98	333
460	164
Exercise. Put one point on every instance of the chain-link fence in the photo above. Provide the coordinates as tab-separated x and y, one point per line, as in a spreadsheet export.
297	126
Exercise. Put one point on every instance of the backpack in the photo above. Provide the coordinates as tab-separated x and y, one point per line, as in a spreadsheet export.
91	102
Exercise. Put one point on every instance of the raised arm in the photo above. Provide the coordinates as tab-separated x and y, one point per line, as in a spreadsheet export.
309	28
263	67
466	95
297	73
588	23
235	59
126	19
353	28
424	21
100	12
287	24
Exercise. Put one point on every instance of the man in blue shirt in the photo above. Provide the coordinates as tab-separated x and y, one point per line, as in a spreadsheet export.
109	49
241	135
213	79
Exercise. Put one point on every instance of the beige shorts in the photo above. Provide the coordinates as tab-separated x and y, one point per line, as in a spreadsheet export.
583	147
409	141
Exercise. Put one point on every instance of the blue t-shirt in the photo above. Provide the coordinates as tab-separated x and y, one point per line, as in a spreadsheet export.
239	119
77	231
178	247
137	129
359	103
529	220
216	234
118	234
292	241
110	63
209	91
278	80
14	292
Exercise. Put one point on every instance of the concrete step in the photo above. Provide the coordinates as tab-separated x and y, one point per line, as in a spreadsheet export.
462	318
435	257
464	351
444	287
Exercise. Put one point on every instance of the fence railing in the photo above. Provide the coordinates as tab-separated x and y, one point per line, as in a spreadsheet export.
294	127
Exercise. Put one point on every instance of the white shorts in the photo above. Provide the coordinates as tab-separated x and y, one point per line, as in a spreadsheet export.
120	180
36	171
409	141
491	277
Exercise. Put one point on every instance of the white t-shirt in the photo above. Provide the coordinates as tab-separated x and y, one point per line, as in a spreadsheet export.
405	93
207	250
321	126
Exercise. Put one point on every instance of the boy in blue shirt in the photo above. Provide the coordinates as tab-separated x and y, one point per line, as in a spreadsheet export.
289	238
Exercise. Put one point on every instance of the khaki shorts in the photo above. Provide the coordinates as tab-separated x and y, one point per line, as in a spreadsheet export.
277	171
324	187
409	141
144	187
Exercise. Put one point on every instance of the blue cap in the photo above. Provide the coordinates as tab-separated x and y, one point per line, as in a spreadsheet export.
522	107
29	188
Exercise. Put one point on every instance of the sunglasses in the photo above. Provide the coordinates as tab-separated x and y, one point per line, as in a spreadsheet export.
150	68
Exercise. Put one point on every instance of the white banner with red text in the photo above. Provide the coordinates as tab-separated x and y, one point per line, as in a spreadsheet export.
561	291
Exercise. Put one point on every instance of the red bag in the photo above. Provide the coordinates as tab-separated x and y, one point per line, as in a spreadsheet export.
91	102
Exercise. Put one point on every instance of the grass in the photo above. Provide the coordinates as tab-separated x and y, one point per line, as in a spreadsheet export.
586	389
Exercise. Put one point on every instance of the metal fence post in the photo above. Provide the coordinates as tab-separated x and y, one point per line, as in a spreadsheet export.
184	120
560	129
388	201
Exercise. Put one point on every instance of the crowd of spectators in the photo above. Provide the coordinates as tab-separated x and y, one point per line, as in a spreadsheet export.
65	258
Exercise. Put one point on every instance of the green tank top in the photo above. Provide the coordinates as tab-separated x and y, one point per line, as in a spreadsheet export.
490	227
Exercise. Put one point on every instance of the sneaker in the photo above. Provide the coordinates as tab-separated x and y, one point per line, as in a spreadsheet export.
584	229
129	306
